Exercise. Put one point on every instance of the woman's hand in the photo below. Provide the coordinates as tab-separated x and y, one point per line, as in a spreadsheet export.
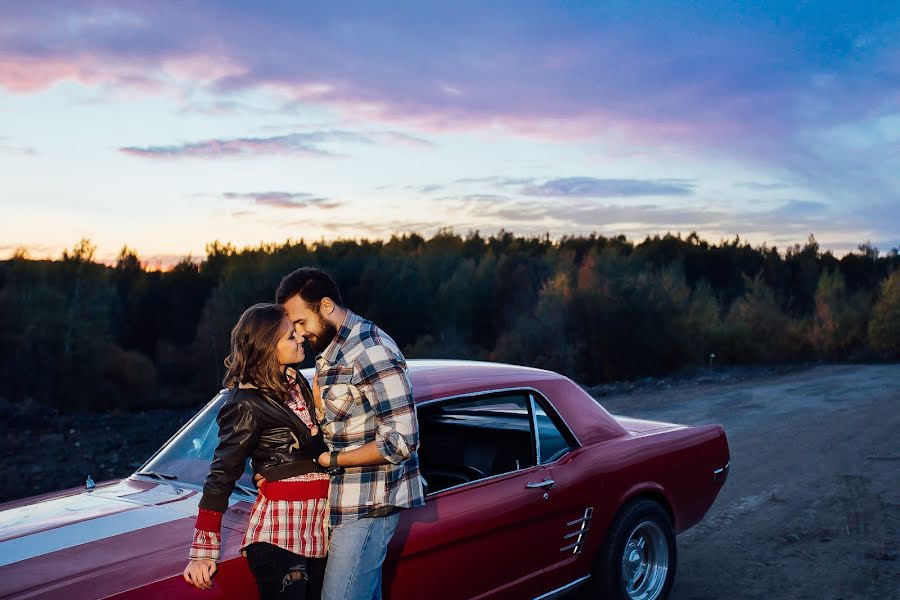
199	573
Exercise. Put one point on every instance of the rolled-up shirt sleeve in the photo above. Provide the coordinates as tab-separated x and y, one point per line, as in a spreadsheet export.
384	382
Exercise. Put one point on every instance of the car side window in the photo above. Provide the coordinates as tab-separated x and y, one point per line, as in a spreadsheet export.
470	439
551	442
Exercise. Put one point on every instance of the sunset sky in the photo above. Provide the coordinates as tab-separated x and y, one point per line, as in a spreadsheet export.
165	126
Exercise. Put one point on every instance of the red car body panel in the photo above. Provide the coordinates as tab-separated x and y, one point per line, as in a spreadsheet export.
490	538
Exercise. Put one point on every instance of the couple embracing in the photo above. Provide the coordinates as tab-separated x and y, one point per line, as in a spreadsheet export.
334	462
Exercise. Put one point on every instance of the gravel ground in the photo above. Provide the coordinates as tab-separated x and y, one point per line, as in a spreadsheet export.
812	504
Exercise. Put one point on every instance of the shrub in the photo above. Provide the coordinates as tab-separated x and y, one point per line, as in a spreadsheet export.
884	327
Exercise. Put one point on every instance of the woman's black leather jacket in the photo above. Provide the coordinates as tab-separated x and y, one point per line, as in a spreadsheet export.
252	424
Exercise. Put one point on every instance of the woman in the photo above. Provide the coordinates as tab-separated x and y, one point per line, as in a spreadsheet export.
269	417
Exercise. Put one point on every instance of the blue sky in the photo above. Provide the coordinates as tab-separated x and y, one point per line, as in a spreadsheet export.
165	126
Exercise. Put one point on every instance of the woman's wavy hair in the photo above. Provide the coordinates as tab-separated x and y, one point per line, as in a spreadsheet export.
252	359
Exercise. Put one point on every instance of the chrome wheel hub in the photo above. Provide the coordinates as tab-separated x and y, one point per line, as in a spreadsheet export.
645	562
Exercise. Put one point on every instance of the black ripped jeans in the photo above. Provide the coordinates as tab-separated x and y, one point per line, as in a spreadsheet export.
283	575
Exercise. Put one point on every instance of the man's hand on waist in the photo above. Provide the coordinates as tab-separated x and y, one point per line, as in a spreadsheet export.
358	457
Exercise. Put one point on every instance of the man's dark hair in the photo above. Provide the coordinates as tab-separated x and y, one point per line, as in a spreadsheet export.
312	284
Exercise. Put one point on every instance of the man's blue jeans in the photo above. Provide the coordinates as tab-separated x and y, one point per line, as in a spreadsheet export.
355	556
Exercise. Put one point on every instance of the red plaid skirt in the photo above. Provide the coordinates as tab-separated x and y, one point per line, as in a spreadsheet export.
298	526
291	514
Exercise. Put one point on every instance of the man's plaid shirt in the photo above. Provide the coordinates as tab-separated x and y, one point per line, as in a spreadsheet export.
367	397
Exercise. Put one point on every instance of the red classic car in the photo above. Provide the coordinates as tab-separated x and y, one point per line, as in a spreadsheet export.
533	490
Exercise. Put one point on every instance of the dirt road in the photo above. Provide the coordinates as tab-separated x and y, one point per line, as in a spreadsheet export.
812	504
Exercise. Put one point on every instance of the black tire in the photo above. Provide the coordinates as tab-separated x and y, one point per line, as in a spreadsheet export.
646	519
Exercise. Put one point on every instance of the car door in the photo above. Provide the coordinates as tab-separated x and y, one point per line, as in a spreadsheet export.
568	509
481	533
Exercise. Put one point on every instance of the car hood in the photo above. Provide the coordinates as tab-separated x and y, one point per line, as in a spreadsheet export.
96	510
85	543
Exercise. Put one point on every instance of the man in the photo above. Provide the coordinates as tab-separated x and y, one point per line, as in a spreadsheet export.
369	422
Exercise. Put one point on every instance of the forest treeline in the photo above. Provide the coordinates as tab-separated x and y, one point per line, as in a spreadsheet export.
79	334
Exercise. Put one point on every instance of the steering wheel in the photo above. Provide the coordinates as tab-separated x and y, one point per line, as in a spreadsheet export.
462	473
474	472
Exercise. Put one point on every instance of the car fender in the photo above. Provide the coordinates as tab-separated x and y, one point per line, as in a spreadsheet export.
653	491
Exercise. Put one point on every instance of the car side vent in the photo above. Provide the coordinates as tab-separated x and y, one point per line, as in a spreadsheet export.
584	523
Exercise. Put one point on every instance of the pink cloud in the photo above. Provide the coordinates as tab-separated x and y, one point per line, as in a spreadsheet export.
285	200
28	74
292	144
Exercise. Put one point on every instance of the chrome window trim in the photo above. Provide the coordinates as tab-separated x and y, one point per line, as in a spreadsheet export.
534	430
489	478
525	396
529	392
501	391
186	424
565	588
534	396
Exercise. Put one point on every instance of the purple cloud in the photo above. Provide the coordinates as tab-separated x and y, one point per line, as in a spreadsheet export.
800	208
290	200
784	224
403	139
591	187
761	186
610	67
501	182
420	189
579	187
301	144
488	199
750	82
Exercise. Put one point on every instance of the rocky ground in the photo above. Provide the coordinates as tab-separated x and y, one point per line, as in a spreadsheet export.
45	450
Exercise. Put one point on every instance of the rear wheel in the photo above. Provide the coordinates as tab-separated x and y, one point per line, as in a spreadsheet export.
638	558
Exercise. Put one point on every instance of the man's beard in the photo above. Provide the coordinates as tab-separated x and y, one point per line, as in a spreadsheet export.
321	340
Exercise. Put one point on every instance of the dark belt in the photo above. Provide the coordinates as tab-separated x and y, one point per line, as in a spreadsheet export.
292	469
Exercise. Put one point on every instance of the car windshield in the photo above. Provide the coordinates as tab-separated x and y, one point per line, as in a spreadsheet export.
188	454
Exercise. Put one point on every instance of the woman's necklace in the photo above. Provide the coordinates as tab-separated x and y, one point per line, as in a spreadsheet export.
298	405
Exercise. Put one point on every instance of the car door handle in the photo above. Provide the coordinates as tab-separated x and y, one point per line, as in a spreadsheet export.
547	483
